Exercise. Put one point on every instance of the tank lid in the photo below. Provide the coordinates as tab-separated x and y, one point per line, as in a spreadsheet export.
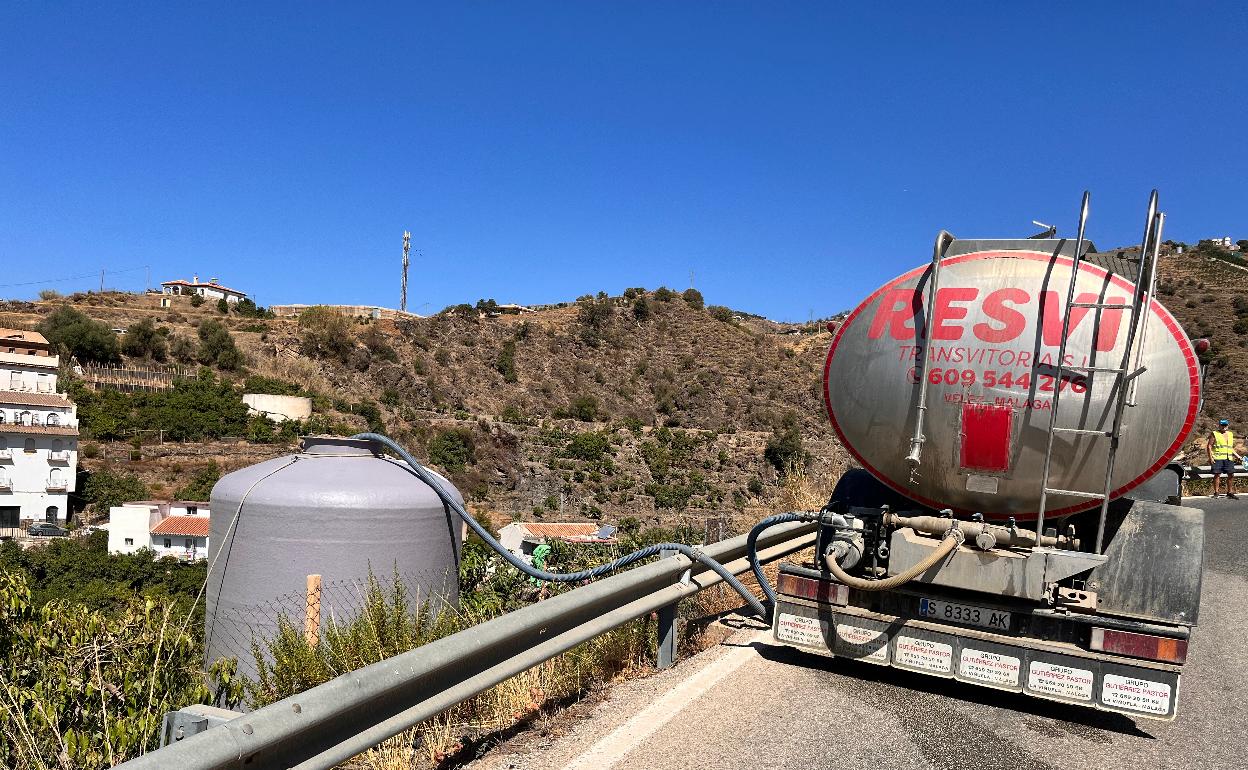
336	445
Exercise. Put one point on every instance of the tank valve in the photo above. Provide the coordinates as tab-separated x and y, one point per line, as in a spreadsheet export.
986	540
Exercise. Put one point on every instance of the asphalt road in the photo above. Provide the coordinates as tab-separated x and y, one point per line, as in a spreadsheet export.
752	704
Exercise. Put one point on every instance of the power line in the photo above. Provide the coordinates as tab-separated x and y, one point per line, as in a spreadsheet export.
70	278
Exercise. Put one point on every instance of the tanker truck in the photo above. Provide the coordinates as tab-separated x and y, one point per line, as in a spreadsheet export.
1015	407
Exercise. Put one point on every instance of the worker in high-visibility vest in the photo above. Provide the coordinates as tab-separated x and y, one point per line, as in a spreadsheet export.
1222	456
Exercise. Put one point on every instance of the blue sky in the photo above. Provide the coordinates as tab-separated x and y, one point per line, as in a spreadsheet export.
791	156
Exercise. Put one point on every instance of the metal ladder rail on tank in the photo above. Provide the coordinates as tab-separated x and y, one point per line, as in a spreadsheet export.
943	240
1141	300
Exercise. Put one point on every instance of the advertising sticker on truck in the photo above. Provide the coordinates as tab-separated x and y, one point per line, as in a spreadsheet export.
923	654
989	667
1062	681
1135	694
796	629
861	643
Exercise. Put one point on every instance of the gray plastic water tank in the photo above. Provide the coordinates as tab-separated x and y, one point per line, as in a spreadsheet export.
337	509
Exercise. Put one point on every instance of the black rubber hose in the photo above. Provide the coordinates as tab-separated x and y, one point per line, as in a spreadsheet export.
751	549
427	476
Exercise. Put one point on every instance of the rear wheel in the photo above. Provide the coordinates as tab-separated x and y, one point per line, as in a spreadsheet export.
857	488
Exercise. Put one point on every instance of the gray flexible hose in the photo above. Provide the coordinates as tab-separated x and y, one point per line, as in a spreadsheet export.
953	538
427	476
751	550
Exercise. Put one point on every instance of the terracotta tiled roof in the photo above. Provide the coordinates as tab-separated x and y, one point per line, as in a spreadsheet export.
185	526
27	398
38	430
25	335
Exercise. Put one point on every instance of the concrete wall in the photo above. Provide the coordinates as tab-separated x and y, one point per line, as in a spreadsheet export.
129	527
278	408
177	547
27	473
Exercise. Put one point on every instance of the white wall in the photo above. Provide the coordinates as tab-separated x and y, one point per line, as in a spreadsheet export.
129	527
28	473
177	547
278	408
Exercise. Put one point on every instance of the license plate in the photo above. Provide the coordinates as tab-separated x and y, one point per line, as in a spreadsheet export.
967	614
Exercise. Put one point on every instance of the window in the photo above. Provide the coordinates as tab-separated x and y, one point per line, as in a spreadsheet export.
34	419
28	446
191	510
129	541
24	418
15	380
10	515
1	416
168	542
4	479
190	542
54	419
51	514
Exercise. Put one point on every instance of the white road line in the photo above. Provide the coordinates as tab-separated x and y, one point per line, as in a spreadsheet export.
614	746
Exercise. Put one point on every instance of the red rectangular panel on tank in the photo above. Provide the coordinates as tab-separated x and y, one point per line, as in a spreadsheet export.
986	437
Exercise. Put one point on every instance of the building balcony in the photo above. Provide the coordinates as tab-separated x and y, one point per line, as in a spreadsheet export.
6	485
57	485
6	455
60	457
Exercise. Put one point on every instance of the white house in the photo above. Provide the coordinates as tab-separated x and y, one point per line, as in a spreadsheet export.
38	433
522	537
177	528
211	290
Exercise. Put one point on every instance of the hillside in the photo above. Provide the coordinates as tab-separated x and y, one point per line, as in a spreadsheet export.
593	410
644	406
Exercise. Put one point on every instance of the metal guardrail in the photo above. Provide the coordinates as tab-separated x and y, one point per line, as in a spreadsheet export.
350	714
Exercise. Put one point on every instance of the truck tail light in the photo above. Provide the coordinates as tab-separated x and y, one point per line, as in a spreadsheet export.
1161	648
810	588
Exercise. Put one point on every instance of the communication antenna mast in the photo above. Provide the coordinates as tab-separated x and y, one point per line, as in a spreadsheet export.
407	246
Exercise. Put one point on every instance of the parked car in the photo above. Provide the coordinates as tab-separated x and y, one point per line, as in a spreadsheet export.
46	530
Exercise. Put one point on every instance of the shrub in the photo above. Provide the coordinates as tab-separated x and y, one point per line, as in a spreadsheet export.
49	294
105	489
79	336
693	298
144	340
375	341
784	449
199	488
182	349
196	300
506	362
584	408
664	294
372	416
92	688
271	386
595	316
216	347
641	308
249	309
452	450
223	307
720	313
325	333
755	487
591	446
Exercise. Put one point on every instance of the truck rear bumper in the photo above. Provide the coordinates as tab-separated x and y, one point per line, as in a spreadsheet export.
1040	668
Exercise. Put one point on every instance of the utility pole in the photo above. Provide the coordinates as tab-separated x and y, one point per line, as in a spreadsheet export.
407	246
101	280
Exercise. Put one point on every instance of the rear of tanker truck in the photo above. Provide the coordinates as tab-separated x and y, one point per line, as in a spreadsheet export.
1015	406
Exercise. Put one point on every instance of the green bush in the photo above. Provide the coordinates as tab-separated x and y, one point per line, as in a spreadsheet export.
693	298
79	336
720	313
199	488
784	449
194	409
325	333
453	450
82	689
143	340
664	294
216	347
641	308
595	317
105	489
583	408
590	446
182	349
196	300
271	386
506	363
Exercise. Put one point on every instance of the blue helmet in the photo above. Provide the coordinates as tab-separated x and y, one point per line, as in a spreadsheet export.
1224	422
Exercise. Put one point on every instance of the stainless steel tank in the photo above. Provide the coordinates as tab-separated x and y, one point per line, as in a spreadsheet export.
996	329
339	508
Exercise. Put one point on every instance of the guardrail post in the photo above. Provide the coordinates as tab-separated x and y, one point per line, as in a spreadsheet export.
666	652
